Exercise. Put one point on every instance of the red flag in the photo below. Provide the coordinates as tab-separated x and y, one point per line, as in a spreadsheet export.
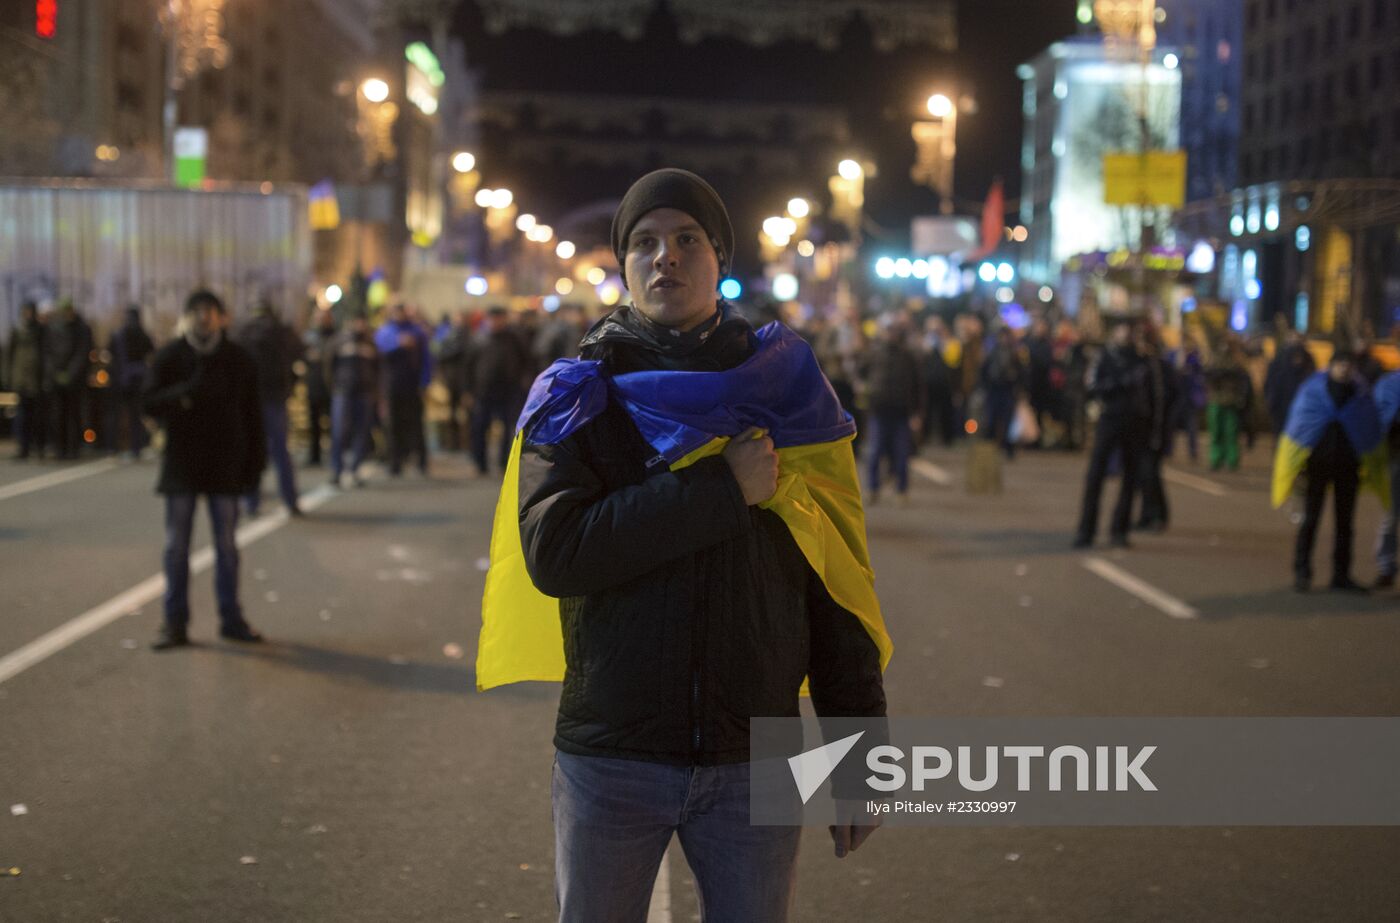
993	216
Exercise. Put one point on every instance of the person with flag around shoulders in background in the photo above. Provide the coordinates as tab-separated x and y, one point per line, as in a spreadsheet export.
659	547
1333	434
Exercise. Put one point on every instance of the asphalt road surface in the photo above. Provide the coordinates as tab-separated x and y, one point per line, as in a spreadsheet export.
348	769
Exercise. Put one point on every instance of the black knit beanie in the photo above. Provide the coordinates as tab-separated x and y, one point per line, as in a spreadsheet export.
683	191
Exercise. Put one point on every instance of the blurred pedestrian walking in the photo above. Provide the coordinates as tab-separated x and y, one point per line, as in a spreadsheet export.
131	349
895	394
497	370
316	343
352	369
275	349
1291	366
1118	381
1387	397
1333	435
68	344
1162	396
24	375
1227	401
406	368
204	391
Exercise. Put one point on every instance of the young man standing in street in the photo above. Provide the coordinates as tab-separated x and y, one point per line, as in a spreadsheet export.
204	391
687	607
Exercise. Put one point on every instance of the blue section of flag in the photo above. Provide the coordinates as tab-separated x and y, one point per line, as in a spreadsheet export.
780	388
1313	410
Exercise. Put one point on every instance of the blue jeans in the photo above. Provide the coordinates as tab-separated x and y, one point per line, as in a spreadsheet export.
1385	539
350	421
614	818
179	523
893	440
274	414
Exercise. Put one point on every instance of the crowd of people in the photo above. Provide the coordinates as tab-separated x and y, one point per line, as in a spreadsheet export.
396	387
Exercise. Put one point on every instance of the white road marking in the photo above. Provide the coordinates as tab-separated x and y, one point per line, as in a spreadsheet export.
153	587
1190	480
1141	589
659	910
54	478
934	473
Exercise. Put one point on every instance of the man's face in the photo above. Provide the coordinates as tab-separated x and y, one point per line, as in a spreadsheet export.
206	319
672	269
1341	370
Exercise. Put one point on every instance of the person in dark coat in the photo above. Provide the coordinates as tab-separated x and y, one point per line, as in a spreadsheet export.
352	368
315	342
1292	366
1003	379
680	599
1162	395
405	370
895	393
1040	361
275	348
940	416
1118	381
131	348
68	342
24	375
497	368
451	348
1339	404
203	389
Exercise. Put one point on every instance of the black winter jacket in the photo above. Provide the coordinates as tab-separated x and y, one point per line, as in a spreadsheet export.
685	612
209	406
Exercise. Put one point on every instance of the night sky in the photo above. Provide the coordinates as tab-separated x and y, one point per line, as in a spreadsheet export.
881	92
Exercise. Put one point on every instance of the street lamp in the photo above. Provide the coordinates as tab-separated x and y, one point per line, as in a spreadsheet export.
565	250
798	208
940	106
463	162
850	170
375	90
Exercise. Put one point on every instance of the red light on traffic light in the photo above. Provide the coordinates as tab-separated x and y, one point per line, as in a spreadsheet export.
45	18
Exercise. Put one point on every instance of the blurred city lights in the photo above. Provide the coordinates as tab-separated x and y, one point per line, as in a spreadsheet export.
798	208
730	289
477	285
849	170
987	272
597	276
1006	273
1252	290
565	250
462	162
1005	294
525	223
375	90
483	198
1239	315
940	106
785	286
333	294
1046	294
884	268
551	303
502	198
1019	233
970	427
1170	62
1201	259
805	248
1271	218
609	294
903	268
1302	238
564	286
919	269
1237	225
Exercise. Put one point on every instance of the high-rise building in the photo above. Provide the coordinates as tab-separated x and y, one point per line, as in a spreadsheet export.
1208	37
1082	101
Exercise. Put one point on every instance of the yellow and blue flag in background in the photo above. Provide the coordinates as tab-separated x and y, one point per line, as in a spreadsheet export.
686	416
323	208
1312	411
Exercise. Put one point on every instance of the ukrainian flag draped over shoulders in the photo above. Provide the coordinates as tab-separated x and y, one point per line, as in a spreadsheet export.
1312	411
684	417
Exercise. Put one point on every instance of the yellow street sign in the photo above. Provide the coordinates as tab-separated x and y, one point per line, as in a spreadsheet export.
1154	178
